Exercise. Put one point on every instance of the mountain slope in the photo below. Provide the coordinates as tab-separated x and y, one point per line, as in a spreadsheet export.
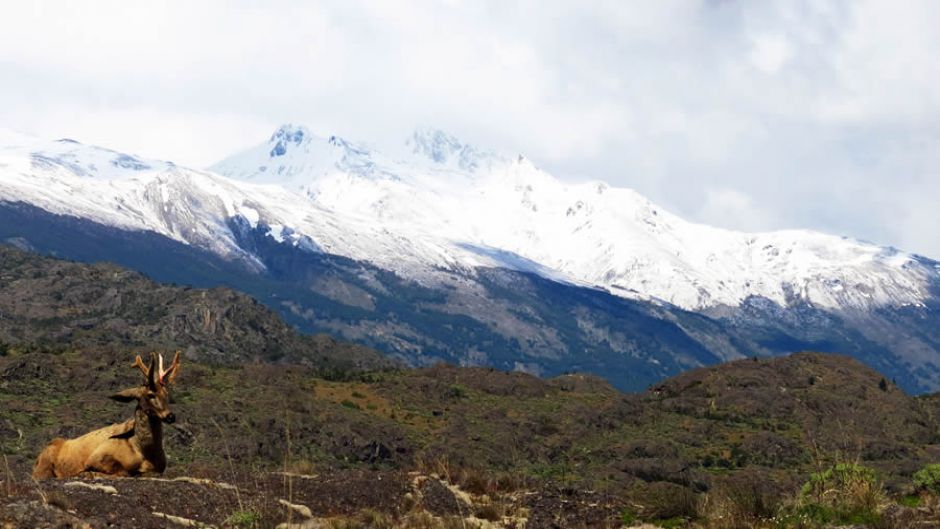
449	252
63	304
502	319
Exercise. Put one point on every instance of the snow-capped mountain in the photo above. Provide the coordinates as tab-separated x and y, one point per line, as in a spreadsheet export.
508	210
442	216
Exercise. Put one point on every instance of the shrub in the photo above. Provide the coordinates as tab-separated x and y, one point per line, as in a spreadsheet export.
475	481
928	478
458	391
662	500
491	512
843	493
750	498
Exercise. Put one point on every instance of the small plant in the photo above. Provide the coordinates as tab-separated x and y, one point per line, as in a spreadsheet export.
910	501
928	478
243	518
673	523
458	391
349	404
628	517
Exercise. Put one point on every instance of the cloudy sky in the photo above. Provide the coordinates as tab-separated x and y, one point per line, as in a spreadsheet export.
750	115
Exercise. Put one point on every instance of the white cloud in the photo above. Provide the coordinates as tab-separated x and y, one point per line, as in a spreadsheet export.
730	208
813	111
770	53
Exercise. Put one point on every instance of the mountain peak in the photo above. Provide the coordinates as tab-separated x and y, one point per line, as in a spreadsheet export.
286	135
445	149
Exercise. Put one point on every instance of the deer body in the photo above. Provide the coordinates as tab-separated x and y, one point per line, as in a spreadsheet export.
130	448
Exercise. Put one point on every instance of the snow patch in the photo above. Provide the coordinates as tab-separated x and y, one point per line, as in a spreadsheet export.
276	231
250	214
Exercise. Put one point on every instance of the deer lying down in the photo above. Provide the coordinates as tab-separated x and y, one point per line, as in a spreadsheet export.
130	448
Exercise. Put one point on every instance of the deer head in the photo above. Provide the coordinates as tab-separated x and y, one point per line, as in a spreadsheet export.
152	397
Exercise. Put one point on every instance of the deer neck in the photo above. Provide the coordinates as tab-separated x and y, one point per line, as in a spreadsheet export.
148	432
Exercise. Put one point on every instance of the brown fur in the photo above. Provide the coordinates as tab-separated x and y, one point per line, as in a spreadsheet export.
45	464
130	448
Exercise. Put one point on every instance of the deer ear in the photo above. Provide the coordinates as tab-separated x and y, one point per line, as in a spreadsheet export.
128	395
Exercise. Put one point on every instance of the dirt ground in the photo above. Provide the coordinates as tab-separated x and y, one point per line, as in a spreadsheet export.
272	499
142	502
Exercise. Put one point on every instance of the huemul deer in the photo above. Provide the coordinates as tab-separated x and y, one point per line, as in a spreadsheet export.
129	448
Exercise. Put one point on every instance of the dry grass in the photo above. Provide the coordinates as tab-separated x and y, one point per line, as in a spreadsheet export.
8	477
420	520
470	479
361	394
750	499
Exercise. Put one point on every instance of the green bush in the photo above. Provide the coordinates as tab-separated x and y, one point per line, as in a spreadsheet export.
836	480
843	493
928	478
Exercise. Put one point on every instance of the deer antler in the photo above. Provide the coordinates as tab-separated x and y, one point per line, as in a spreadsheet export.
139	364
167	375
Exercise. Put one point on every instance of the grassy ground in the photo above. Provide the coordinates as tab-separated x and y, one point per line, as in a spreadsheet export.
730	446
